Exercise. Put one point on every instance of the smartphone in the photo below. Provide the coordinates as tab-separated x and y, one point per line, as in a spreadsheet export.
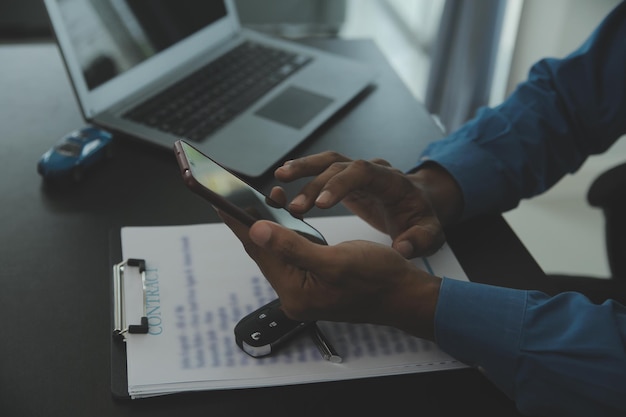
229	193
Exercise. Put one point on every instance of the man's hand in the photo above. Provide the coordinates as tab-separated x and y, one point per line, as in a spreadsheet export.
389	200
355	281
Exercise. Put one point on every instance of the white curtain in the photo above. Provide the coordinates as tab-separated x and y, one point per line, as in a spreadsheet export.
463	58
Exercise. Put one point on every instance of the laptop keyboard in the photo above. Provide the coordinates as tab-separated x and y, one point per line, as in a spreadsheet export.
203	102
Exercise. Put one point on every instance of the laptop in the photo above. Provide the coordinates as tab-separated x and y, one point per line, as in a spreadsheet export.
163	70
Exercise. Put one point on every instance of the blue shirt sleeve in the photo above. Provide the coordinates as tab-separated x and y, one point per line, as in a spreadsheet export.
556	356
568	109
561	355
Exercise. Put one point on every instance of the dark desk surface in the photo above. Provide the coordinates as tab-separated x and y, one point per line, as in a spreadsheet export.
55	267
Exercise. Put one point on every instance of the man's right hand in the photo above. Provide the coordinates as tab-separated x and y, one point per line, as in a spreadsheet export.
403	206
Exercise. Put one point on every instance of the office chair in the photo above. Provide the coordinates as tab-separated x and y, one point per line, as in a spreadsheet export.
608	192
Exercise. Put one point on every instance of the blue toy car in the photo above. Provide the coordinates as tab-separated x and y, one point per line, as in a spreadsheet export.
75	152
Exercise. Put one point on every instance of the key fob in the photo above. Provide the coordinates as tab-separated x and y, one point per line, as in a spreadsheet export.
264	330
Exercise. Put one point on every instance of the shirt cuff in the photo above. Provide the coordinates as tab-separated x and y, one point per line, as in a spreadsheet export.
480	325
472	156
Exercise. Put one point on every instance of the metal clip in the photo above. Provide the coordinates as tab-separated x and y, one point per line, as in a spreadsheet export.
119	314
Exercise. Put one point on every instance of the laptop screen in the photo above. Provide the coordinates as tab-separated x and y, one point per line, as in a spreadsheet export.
110	37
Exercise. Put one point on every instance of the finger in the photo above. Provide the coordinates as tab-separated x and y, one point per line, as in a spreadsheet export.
308	166
310	192
382	162
358	175
339	181
286	244
277	197
419	240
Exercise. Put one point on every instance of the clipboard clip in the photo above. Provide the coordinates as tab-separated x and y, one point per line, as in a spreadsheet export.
119	315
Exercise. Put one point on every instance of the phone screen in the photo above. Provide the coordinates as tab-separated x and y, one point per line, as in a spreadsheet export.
233	195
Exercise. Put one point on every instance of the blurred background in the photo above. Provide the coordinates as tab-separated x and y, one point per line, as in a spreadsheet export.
455	56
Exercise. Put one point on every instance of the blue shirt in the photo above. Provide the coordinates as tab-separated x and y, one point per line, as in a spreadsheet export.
560	355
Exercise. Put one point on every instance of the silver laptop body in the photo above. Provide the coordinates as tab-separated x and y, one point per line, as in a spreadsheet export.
102	34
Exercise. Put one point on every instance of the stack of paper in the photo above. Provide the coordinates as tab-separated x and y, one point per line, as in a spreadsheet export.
200	283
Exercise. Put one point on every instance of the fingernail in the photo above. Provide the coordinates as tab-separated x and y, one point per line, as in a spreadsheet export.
299	200
287	164
404	248
260	233
323	198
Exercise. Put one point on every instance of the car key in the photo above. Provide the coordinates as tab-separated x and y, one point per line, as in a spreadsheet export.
264	330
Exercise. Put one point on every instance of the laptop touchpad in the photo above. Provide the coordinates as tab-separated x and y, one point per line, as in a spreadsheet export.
294	107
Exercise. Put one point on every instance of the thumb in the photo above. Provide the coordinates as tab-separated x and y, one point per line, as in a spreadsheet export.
419	240
285	243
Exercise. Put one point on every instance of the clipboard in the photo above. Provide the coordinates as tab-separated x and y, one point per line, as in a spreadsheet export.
175	255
